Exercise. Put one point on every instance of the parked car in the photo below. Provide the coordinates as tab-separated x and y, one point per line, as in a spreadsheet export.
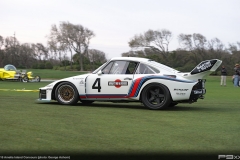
131	79
9	72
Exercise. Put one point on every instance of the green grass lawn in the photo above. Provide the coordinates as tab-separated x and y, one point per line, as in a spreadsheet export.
54	74
211	125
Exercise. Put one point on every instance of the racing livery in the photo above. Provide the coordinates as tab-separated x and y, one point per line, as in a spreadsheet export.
130	79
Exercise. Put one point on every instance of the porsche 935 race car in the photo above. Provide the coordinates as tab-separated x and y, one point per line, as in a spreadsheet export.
130	79
9	72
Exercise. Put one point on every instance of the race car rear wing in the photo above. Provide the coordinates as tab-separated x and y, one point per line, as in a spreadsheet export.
203	69
208	65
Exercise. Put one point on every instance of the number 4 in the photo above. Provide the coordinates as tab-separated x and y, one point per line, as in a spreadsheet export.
97	82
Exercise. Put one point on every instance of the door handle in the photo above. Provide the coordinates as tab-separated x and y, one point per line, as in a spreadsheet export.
127	78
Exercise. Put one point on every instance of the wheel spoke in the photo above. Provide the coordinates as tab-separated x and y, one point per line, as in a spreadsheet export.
161	95
152	92
155	96
151	99
158	100
157	91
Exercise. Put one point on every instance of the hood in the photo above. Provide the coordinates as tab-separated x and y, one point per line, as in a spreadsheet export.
73	78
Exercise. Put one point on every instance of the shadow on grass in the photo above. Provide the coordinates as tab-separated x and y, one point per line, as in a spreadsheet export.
177	108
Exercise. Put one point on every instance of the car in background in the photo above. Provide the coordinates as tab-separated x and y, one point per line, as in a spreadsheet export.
9	72
131	79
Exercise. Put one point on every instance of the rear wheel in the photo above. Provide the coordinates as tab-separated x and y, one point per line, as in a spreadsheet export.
25	79
37	78
66	93
156	96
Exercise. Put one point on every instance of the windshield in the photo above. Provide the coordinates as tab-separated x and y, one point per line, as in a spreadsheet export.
10	67
94	72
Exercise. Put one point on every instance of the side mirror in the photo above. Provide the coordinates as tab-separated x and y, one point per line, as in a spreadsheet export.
99	72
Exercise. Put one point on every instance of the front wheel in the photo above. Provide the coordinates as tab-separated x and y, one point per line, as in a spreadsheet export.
66	93
156	96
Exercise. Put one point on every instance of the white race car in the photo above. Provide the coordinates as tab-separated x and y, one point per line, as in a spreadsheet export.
131	79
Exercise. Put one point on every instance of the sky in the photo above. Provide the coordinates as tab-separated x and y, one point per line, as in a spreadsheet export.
116	22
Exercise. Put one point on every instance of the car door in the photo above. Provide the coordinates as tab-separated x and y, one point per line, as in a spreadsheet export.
113	82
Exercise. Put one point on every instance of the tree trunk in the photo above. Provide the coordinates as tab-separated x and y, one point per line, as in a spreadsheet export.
80	61
71	59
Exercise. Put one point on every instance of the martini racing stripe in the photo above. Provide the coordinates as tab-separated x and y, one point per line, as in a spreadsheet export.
103	96
137	84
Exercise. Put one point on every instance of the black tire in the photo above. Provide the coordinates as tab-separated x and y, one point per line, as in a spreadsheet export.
86	101
25	79
66	93
156	96
37	78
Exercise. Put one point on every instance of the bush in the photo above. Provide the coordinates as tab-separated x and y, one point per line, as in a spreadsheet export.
35	66
56	67
48	65
41	66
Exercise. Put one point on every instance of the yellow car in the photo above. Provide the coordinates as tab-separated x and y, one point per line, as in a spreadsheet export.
9	72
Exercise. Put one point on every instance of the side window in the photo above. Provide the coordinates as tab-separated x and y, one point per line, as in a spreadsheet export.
145	69
131	67
154	69
120	67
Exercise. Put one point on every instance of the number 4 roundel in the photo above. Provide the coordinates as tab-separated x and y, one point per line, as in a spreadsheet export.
97	85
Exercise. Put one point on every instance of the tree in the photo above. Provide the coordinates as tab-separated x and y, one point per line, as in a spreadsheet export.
11	44
97	56
232	47
238	43
1	50
215	45
195	43
76	37
158	41
52	45
40	51
26	56
215	48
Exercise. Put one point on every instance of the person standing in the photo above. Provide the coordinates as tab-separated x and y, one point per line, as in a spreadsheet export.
236	76
223	76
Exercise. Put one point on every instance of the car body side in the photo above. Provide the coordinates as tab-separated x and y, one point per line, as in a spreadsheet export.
181	86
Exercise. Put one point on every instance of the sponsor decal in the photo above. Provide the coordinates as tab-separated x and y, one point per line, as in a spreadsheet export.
204	66
181	94
118	83
175	89
180	91
76	78
198	92
81	82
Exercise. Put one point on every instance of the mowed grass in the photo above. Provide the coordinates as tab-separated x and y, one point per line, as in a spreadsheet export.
208	126
54	74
